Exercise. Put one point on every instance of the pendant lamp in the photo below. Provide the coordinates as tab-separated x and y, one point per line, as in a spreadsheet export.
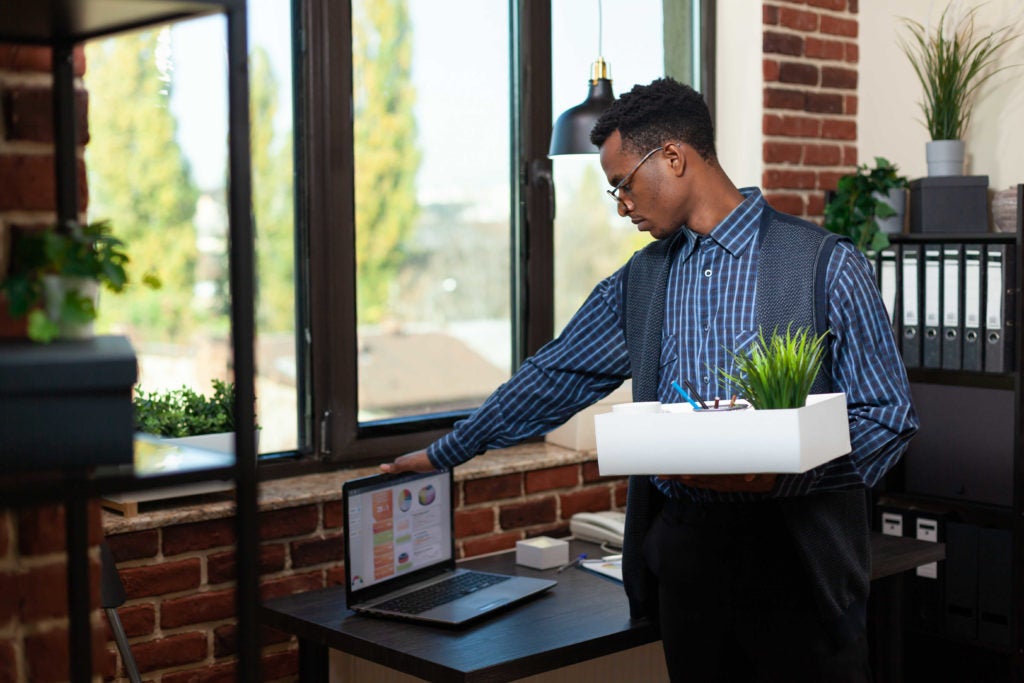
571	134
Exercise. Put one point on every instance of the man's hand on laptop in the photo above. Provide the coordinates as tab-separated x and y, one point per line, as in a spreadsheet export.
417	461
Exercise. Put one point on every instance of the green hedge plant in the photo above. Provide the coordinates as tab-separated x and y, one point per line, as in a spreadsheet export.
185	412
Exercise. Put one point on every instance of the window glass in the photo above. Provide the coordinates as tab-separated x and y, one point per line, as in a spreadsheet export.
432	204
157	168
591	240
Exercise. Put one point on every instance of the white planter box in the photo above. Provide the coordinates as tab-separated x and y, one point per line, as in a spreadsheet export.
677	440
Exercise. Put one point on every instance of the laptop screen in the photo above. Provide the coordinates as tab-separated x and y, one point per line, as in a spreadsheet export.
395	527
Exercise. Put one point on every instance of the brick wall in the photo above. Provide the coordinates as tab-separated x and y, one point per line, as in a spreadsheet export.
179	579
810	101
33	596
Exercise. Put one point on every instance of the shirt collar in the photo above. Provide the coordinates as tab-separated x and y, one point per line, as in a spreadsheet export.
737	231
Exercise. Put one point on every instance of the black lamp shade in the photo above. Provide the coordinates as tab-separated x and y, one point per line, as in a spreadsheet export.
571	134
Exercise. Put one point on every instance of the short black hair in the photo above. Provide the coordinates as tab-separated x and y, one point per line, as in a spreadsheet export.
651	115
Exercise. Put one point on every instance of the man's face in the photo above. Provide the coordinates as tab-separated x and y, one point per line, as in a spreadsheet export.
639	186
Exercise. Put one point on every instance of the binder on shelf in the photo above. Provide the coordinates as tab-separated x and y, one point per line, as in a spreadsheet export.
972	336
999	303
962	580
931	342
995	585
952	320
910	345
887	282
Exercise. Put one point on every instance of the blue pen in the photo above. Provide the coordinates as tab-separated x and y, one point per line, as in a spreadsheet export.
675	385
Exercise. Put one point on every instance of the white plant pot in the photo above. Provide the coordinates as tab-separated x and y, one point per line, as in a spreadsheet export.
945	157
55	287
896	198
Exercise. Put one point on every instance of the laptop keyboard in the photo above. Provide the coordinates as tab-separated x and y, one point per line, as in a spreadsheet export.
441	592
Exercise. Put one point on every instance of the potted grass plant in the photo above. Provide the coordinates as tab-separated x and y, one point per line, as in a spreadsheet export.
777	372
951	62
55	277
868	205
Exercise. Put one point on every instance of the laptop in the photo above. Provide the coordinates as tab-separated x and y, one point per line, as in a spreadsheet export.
400	554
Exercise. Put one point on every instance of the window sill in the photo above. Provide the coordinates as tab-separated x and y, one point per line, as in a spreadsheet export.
326	486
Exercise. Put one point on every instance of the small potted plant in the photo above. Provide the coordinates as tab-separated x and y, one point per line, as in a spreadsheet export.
951	65
188	417
777	372
55	277
867	205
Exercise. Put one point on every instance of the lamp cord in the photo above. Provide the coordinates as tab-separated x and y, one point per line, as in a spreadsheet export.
600	29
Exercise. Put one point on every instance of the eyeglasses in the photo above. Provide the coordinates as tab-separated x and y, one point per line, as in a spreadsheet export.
614	192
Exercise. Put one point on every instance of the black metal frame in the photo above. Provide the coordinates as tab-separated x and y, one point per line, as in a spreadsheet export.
62	24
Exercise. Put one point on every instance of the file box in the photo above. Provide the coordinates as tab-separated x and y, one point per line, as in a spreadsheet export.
684	441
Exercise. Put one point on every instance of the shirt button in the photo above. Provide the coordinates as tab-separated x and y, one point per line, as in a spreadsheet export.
707	272
706	379
707	326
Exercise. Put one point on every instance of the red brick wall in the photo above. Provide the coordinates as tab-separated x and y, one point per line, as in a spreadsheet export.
34	598
810	101
179	579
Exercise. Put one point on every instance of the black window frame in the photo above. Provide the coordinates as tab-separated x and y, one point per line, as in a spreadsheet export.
327	336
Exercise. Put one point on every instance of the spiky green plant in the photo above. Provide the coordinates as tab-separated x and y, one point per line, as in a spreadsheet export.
778	371
951	69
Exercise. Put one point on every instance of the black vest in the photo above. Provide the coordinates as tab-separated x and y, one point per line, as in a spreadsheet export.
831	529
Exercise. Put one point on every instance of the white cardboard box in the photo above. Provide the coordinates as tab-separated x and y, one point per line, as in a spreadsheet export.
734	442
578	431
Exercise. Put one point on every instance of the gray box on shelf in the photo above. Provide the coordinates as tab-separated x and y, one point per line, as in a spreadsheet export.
949	204
66	404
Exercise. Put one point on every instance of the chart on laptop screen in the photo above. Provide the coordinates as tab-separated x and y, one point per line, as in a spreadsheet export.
399	528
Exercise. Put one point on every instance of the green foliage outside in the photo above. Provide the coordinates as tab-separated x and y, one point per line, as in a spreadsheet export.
387	157
855	208
589	243
139	179
777	372
273	201
184	412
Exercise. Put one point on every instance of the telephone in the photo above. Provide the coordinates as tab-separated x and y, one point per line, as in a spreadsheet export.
599	527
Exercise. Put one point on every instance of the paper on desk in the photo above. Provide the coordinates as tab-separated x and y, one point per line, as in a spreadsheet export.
736	442
609	568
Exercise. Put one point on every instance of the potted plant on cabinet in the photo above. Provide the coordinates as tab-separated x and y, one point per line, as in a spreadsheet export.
55	276
868	205
951	66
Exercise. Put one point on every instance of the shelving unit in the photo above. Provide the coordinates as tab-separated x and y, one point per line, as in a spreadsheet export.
965	471
61	25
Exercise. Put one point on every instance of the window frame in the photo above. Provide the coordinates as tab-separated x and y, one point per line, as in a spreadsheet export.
327	340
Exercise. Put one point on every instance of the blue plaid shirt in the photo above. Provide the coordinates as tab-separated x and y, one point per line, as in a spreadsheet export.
709	311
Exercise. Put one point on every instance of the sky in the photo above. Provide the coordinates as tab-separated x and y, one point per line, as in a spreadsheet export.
462	84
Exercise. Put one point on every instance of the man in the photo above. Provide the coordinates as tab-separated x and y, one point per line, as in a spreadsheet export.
756	577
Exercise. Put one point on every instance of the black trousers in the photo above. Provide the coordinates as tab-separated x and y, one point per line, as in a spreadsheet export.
735	602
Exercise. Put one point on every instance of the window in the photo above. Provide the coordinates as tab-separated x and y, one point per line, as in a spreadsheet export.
157	167
408	258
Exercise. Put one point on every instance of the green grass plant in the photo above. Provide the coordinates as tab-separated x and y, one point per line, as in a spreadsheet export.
777	372
951	68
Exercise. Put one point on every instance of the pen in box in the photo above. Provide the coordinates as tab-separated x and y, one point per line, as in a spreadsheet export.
675	385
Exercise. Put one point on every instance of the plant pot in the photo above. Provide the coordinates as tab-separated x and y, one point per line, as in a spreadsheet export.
55	288
896	198
945	157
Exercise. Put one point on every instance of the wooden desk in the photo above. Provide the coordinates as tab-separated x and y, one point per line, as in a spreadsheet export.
582	618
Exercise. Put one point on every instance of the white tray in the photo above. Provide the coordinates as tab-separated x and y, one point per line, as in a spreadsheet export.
677	440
